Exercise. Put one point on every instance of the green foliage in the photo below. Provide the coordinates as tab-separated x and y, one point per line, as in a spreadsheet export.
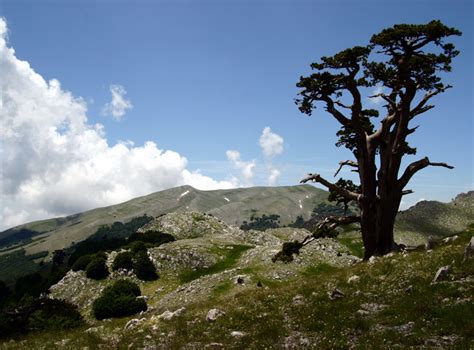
81	263
5	293
143	267
232	253
123	260
287	251
38	314
119	230
118	300
17	237
153	237
54	314
336	197
32	284
97	268
137	246
261	223
15	264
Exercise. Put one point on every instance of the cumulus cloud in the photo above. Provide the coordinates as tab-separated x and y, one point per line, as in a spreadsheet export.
246	167
53	162
271	143
119	104
273	177
376	101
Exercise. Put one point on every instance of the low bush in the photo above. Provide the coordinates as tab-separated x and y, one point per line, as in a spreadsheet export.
97	268
137	246
81	263
153	237
118	300
143	267
123	260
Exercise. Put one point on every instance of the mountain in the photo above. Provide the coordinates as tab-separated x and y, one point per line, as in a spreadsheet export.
436	219
24	246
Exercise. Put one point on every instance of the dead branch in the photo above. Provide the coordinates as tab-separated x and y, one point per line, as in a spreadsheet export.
414	167
346	162
332	187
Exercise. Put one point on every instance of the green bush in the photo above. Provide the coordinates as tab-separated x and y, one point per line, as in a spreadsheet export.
144	268
118	300
123	261
81	263
54	314
137	246
97	269
153	237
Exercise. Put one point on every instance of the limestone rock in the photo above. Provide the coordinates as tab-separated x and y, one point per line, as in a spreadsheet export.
441	273
214	314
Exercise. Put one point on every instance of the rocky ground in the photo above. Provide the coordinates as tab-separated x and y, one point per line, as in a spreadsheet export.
219	288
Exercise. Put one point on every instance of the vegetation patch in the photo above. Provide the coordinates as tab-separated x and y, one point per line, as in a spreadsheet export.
118	300
231	254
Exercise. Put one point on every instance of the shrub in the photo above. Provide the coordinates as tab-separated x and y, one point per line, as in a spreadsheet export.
144	268
123	261
54	314
4	292
153	237
137	246
97	269
81	263
118	300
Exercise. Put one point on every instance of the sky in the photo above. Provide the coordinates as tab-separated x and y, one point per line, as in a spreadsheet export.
104	101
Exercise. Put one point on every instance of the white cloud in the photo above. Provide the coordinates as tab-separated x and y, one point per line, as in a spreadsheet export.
376	101
53	162
271	143
119	104
273	177
246	168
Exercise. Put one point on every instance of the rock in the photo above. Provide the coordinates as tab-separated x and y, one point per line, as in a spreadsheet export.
298	300
168	315
441	273
409	289
353	279
372	307
429	245
363	312
335	294
469	250
237	334
214	314
372	259
450	239
133	323
214	346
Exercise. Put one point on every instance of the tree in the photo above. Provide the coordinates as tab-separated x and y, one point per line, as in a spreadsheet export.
143	267
404	61
97	268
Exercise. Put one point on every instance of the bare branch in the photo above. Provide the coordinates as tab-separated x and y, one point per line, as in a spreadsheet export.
328	224
332	187
391	102
405	192
339	103
414	167
335	113
346	162
422	107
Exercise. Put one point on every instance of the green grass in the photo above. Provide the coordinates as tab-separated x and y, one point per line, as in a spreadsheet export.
231	254
355	245
270	319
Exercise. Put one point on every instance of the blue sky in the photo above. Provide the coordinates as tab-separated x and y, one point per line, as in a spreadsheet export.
205	77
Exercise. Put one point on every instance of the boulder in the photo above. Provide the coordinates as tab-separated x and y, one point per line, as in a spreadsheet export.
214	314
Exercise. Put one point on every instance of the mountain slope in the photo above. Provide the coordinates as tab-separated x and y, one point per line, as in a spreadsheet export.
232	206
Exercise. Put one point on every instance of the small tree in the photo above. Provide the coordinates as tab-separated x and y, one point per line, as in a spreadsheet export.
403	60
143	267
97	268
118	300
81	263
123	260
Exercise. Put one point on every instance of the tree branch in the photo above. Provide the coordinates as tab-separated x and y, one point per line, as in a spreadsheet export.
332	187
335	113
391	102
346	162
414	167
421	108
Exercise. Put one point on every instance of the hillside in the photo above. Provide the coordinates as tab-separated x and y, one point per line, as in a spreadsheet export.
23	247
232	206
220	289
